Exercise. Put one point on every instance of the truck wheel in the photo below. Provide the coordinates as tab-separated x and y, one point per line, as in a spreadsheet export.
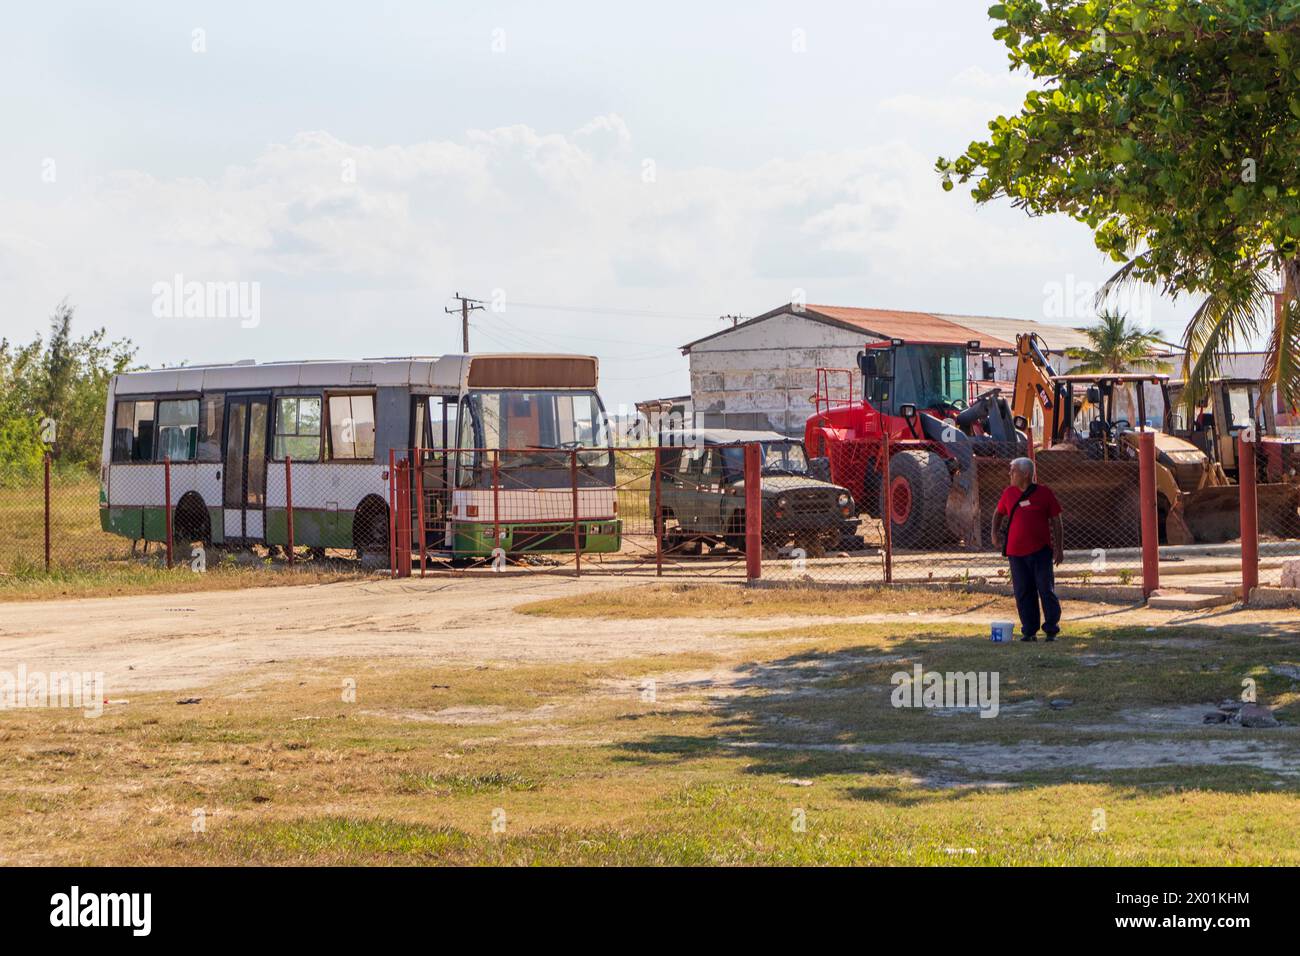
916	499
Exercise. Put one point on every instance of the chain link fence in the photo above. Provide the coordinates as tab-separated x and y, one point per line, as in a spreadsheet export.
865	515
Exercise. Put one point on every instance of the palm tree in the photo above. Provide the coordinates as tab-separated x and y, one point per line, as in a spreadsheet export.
1117	346
1239	308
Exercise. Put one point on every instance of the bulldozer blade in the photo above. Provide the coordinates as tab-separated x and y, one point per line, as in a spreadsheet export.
1213	515
1099	499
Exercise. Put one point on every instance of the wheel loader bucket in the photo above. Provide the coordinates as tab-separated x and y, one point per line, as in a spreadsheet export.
1099	499
1213	515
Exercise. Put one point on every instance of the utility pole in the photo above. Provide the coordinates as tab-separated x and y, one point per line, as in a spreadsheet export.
466	307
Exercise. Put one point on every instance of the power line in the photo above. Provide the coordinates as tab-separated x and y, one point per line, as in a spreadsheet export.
651	313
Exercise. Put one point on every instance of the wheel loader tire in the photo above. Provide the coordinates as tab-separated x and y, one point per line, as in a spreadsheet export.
917	499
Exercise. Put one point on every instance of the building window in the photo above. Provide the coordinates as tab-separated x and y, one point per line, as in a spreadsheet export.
352	427
133	431
178	429
297	428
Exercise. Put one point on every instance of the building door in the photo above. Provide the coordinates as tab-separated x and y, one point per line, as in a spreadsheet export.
244	480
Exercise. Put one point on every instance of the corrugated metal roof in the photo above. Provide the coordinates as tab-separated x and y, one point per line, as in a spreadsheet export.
993	332
1058	337
916	326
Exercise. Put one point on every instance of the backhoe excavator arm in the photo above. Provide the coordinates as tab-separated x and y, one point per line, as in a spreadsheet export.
1034	375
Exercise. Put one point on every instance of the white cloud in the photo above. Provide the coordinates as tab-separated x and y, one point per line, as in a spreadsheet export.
549	217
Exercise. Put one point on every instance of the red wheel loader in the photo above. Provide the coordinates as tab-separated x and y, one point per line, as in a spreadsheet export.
939	442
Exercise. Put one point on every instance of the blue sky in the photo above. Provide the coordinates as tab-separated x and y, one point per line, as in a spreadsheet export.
643	169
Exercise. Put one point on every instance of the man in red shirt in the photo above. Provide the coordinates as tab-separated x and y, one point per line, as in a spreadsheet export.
1027	525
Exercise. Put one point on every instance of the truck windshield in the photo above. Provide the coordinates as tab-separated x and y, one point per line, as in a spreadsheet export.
787	456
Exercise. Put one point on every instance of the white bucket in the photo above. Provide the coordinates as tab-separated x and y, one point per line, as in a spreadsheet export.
1001	632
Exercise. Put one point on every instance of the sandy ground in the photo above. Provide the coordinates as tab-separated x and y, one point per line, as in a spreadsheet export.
177	642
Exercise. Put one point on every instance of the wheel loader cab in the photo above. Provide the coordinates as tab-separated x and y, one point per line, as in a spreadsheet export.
928	375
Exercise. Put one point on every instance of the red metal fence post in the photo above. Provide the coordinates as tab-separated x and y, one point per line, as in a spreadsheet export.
753	512
577	542
659	514
886	512
1246	466
496	503
392	513
1150	523
47	511
167	505
404	518
419	503
288	506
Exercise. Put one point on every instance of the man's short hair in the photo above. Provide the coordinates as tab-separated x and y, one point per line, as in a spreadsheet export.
1025	466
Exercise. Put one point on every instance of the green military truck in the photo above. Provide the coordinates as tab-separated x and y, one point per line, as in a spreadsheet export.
702	486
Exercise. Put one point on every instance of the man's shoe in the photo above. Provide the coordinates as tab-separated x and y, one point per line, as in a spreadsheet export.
1050	638
1030	638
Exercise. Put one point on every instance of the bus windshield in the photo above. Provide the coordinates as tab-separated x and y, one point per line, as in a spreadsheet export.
522	420
529	424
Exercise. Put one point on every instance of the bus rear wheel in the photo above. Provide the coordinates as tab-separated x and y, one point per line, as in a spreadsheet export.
370	528
191	521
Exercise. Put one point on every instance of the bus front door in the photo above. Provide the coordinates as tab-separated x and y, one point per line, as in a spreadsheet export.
244	479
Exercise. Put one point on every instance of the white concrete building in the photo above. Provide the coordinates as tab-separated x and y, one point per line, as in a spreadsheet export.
762	373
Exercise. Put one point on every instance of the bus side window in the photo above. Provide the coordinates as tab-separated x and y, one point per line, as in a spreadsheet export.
441	427
297	428
133	431
352	427
212	407
178	429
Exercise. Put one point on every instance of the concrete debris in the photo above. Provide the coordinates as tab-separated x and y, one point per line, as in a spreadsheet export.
1256	715
1246	715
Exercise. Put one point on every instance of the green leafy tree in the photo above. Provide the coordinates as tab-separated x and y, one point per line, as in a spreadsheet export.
60	381
1116	346
1171	128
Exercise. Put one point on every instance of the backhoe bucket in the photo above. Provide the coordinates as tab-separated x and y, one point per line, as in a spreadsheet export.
1213	515
1099	499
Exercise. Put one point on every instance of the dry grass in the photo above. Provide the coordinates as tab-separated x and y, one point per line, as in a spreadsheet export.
147	577
714	765
729	601
75	536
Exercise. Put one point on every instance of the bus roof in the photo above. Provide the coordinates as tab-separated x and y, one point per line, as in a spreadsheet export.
446	374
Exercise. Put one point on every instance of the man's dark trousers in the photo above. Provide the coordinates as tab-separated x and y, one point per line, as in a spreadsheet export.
1032	580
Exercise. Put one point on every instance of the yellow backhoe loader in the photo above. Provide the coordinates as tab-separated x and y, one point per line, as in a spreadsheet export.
1088	451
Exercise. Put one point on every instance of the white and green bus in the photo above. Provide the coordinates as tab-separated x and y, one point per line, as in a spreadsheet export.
508	448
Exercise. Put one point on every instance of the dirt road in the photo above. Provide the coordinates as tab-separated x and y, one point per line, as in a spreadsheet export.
176	642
